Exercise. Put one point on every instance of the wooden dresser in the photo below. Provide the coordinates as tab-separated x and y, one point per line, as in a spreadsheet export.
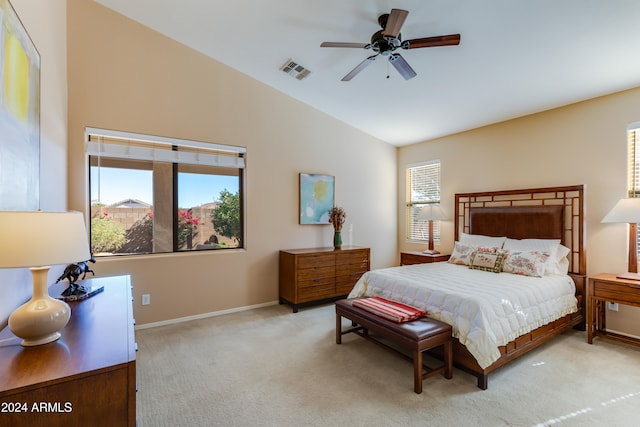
85	378
319	274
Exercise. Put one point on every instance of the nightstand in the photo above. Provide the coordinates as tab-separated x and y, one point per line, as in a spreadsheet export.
408	258
605	288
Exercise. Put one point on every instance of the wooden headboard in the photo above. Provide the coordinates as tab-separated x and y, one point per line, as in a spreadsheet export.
543	213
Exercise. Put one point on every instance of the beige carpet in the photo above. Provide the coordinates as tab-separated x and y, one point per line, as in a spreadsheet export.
270	367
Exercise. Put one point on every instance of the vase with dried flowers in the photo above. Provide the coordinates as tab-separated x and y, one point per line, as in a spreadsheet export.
337	217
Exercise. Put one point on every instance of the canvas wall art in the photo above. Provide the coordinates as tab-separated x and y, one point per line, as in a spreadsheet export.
19	114
316	198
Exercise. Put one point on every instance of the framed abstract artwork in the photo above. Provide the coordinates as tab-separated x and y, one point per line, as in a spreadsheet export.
19	114
316	198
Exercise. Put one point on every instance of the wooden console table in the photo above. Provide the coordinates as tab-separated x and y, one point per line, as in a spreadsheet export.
605	288
85	378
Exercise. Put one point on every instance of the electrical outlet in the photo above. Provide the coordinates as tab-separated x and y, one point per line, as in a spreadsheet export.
146	299
612	306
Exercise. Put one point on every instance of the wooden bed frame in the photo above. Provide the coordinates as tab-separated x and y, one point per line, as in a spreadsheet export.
550	213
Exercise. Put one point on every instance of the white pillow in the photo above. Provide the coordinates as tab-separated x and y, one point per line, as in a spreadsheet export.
562	262
551	246
480	240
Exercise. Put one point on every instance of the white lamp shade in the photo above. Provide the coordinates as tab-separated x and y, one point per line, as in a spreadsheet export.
626	210
34	239
431	212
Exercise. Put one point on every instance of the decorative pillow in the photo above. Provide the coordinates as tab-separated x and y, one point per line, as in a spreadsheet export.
461	254
479	240
540	245
526	263
487	260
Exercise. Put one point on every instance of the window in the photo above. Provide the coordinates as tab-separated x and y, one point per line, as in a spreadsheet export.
157	195
423	188
633	172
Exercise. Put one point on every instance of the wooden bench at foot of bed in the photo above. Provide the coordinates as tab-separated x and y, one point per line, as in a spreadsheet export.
416	336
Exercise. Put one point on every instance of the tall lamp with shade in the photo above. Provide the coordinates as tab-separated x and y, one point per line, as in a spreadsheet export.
431	213
628	211
38	240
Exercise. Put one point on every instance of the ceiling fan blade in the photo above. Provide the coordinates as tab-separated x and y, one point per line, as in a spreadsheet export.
361	66
402	66
394	22
344	44
449	40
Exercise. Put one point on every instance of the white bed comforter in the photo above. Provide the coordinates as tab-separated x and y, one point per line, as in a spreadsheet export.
486	310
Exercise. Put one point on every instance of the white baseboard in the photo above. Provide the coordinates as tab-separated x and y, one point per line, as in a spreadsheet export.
203	315
622	333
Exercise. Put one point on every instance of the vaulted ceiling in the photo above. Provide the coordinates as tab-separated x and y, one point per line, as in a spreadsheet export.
515	57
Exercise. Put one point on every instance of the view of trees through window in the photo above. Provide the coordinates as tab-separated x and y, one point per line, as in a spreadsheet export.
133	207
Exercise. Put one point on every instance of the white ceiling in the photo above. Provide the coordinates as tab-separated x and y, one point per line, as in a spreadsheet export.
516	57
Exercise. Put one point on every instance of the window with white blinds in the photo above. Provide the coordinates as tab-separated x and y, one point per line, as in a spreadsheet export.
423	188
633	137
633	171
153	194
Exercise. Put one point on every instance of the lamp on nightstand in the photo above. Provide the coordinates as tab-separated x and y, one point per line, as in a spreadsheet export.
38	240
431	213
628	211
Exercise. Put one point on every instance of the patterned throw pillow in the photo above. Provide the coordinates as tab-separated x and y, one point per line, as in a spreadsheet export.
527	263
461	254
487	260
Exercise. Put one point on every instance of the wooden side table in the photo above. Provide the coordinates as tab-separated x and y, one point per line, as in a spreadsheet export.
605	288
408	258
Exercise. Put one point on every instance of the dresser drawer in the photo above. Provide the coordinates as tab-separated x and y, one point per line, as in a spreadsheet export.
312	261
345	283
316	272
616	291
311	290
355	268
352	257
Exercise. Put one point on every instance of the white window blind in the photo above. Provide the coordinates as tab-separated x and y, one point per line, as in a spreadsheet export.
633	167
126	145
633	136
423	188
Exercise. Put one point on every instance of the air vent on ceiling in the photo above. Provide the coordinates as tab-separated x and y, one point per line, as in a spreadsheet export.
295	70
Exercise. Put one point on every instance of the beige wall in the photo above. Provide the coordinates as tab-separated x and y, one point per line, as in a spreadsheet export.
45	21
126	77
584	143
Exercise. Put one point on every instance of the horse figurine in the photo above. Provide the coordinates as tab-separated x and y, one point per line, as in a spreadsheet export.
72	272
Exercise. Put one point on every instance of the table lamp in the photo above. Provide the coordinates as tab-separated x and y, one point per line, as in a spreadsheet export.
38	240
431	213
628	210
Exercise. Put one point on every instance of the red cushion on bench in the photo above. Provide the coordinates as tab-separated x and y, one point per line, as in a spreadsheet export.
389	309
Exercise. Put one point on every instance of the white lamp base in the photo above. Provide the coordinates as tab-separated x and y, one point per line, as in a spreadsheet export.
38	321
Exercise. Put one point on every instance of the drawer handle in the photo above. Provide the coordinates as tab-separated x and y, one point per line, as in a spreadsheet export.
635	287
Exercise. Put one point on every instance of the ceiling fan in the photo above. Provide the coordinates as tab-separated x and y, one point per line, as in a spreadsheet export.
384	42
